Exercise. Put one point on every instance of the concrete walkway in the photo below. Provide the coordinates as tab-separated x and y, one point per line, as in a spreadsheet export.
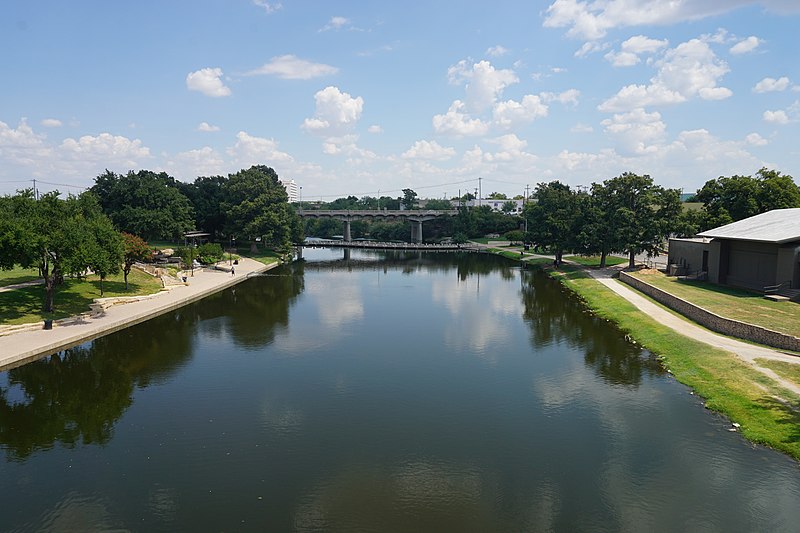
747	352
19	348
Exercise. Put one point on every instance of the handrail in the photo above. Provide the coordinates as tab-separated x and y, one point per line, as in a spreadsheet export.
772	289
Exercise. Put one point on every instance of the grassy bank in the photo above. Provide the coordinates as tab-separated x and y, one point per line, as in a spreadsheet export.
18	275
768	414
21	306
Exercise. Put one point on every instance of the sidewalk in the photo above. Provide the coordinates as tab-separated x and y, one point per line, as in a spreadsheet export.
19	348
747	352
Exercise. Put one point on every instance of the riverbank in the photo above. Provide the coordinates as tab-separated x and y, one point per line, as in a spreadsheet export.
24	346
764	407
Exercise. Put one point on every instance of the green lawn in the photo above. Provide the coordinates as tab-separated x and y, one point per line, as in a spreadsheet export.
736	304
265	256
18	275
20	306
788	371
593	261
767	413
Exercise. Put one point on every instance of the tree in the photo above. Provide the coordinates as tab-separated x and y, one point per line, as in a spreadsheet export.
509	207
641	213
206	196
145	203
60	237
438	205
409	200
257	206
134	249
552	218
515	235
498	196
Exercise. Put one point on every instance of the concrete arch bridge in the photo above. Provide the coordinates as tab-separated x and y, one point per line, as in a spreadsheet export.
416	216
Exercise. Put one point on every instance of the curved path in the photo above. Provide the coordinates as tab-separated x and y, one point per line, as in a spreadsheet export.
747	352
19	348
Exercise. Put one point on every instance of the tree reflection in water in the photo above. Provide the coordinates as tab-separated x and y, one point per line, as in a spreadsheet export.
555	314
77	395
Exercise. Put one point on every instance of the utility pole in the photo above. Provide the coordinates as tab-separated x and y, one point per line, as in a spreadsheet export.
480	192
524	214
35	192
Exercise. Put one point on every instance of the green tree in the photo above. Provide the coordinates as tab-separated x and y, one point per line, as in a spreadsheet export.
509	207
59	237
552	218
497	196
776	191
206	197
438	205
134	249
145	203
409	200
257	206
641	213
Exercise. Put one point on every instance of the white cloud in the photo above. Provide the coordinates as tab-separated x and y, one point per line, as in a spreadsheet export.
107	148
208	82
289	67
269	7
250	150
205	126
771	84
458	123
581	128
756	140
190	164
689	70
335	112
428	150
336	23
592	20
510	113
375	129
51	123
483	83
631	49
568	97
637	132
745	46
776	117
591	47
497	51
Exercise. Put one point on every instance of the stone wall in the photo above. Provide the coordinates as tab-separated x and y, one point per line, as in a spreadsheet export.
715	322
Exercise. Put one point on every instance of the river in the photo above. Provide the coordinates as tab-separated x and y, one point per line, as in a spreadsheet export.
378	392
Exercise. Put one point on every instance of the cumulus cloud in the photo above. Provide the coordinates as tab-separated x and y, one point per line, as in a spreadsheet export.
633	48
689	70
776	117
568	97
745	46
106	147
207	81
581	128
335	112
290	67
458	123
591	47
203	161
250	150
511	113
205	126
428	150
51	123
756	140
483	83
592	20
771	85
637	132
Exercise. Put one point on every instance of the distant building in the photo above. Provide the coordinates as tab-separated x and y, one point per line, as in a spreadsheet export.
292	189
754	253
494	203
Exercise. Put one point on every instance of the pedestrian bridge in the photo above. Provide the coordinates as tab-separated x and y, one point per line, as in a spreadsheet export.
347	216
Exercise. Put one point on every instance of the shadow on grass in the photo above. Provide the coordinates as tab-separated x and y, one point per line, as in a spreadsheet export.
787	414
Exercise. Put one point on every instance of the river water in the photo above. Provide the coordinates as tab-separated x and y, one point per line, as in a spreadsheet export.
377	392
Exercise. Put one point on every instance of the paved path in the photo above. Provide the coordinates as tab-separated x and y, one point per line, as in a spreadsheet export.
747	352
19	348
21	285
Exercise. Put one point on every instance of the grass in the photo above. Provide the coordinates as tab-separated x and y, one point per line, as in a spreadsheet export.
741	305
593	261
788	371
768	414
265	256
21	306
18	275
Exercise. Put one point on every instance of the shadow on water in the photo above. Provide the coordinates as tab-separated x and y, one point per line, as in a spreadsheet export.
555	315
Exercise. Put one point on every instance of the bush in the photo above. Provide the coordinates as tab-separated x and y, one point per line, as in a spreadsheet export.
210	252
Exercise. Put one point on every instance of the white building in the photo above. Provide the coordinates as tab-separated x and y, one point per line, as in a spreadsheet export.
495	204
292	189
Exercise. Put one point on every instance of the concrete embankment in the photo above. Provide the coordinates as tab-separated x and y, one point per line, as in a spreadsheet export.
19	348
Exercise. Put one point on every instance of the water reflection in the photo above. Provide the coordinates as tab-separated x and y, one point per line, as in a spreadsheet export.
554	316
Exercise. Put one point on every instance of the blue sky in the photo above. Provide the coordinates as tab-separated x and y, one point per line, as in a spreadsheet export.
372	97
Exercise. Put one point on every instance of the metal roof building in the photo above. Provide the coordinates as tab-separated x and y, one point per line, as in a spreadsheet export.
776	226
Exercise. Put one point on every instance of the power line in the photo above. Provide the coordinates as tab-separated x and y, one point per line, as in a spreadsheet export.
361	194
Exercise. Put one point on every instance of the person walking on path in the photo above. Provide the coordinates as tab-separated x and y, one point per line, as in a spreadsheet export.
233	272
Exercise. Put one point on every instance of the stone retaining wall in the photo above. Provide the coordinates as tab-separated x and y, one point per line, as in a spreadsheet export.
712	321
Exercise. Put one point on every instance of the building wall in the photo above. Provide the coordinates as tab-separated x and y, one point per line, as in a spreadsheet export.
789	265
687	254
752	265
292	190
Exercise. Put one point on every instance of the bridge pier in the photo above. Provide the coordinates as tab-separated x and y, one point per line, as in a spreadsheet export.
347	237
416	231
